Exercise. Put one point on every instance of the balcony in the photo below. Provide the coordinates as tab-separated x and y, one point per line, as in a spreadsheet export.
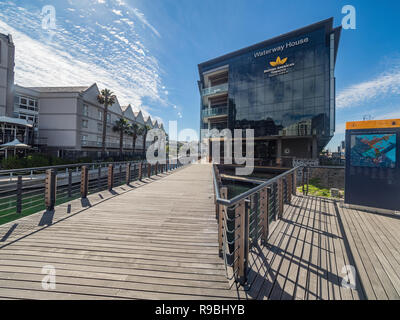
215	112
222	88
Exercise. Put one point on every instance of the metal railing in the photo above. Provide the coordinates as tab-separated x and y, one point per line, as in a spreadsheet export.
30	190
244	220
217	111
215	89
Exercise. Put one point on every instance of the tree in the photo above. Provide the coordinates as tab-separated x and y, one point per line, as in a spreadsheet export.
107	99
134	133
123	127
145	130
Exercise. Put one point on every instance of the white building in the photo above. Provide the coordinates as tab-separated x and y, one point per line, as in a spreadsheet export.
67	121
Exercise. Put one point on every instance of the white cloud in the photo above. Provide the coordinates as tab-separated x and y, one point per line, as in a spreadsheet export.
117	12
383	85
75	56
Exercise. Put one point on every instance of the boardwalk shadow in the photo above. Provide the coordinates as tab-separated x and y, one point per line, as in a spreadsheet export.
85	202
9	232
47	218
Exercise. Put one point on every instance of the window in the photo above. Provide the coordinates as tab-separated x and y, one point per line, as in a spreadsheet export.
100	115
85	110
84	139
84	123
99	127
108	118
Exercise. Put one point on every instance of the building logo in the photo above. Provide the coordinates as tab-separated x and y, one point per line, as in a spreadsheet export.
279	67
278	62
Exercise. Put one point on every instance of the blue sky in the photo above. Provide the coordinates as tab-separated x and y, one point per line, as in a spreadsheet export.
147	51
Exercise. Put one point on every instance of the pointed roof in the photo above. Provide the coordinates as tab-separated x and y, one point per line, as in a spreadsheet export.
139	117
128	112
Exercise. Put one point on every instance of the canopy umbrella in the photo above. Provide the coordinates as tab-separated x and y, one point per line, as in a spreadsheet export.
13	145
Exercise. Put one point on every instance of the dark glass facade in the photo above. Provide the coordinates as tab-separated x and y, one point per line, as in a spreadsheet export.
282	88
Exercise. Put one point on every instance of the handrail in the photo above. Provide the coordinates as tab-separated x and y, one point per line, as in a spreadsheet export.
74	165
248	193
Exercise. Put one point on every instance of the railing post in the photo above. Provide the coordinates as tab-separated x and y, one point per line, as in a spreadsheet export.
280	198
241	242
110	177
264	214
50	189
294	183
302	179
140	171
289	188
84	182
98	177
148	170
221	208
128	173
70	184
156	169
19	194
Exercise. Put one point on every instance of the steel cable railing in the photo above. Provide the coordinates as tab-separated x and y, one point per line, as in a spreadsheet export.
27	191
243	221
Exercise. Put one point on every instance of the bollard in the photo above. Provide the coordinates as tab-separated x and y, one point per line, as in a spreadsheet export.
110	180
156	169
148	170
50	189
84	182
19	194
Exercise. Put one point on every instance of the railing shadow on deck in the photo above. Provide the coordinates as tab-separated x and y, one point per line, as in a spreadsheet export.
29	226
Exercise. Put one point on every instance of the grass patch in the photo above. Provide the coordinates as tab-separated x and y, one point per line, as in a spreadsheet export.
316	189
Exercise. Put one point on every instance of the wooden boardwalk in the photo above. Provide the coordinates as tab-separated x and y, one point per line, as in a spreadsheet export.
311	245
157	239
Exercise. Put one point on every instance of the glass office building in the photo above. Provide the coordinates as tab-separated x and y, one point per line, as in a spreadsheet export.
283	88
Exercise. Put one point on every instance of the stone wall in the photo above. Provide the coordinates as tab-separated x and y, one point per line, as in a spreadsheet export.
329	177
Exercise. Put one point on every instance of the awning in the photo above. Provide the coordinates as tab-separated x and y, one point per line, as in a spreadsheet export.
16	121
15	144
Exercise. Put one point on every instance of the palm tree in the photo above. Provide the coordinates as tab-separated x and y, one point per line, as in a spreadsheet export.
145	129
107	99
134	133
123	127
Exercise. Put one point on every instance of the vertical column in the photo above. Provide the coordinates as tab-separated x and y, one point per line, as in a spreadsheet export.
148	170
264	214
110	177
50	189
221	208
156	169
19	194
128	173
84	181
279	152
241	242
314	147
